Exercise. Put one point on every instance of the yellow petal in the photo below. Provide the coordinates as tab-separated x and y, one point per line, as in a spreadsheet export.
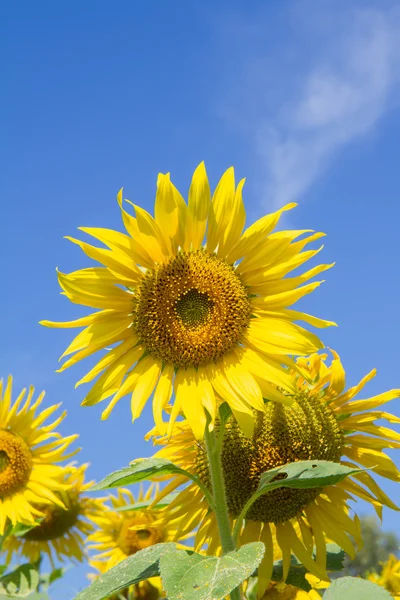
374	402
148	371
189	397
275	336
162	396
170	212
256	234
199	204
218	217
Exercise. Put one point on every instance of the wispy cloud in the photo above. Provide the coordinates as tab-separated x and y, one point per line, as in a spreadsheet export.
345	80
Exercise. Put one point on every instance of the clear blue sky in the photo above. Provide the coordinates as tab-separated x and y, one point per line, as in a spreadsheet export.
300	97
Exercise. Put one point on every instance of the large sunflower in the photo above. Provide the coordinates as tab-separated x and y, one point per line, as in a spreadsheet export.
29	453
123	531
323	423
196	319
62	531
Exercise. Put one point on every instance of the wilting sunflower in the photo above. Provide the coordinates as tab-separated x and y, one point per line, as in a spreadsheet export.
123	531
62	531
29	453
199	320
389	578
323	423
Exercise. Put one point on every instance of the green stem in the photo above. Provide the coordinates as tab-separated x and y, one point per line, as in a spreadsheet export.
220	504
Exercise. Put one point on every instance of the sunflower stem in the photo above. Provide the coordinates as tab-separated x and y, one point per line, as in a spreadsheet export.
220	505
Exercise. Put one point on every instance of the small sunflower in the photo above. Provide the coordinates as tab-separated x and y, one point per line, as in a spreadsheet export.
29	453
175	315
389	578
323	423
282	591
63	530
121	533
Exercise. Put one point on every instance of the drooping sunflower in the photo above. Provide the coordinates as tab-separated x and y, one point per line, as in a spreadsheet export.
61	533
199	320
323	423
389	578
29	453
123	530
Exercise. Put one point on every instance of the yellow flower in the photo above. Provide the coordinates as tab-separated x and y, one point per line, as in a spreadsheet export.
29	453
202	321
323	423
281	591
122	532
63	530
389	577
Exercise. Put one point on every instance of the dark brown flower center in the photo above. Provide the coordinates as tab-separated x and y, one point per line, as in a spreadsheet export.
15	463
191	310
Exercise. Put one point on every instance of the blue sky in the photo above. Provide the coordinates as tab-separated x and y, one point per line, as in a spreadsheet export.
301	97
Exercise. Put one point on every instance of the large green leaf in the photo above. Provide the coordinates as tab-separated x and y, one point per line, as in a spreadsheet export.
139	470
20	582
354	588
135	568
304	474
196	577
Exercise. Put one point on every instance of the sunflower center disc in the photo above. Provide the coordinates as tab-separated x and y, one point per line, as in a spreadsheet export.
15	463
56	523
191	310
305	431
131	541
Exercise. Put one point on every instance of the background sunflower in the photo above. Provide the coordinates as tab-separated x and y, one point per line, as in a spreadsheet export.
63	530
30	450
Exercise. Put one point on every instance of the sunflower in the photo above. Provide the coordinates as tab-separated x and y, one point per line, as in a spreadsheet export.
62	531
123	531
282	591
200	320
389	578
323	423
29	452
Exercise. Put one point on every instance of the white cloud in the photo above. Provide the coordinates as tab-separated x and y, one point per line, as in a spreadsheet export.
344	80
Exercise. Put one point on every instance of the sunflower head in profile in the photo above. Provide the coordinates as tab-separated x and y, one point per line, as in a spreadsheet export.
322	423
389	577
190	303
124	529
62	530
30	450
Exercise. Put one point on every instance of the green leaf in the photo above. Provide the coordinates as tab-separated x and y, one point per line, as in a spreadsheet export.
335	556
139	470
196	577
305	474
135	568
140	505
20	582
46	579
225	412
354	588
20	529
